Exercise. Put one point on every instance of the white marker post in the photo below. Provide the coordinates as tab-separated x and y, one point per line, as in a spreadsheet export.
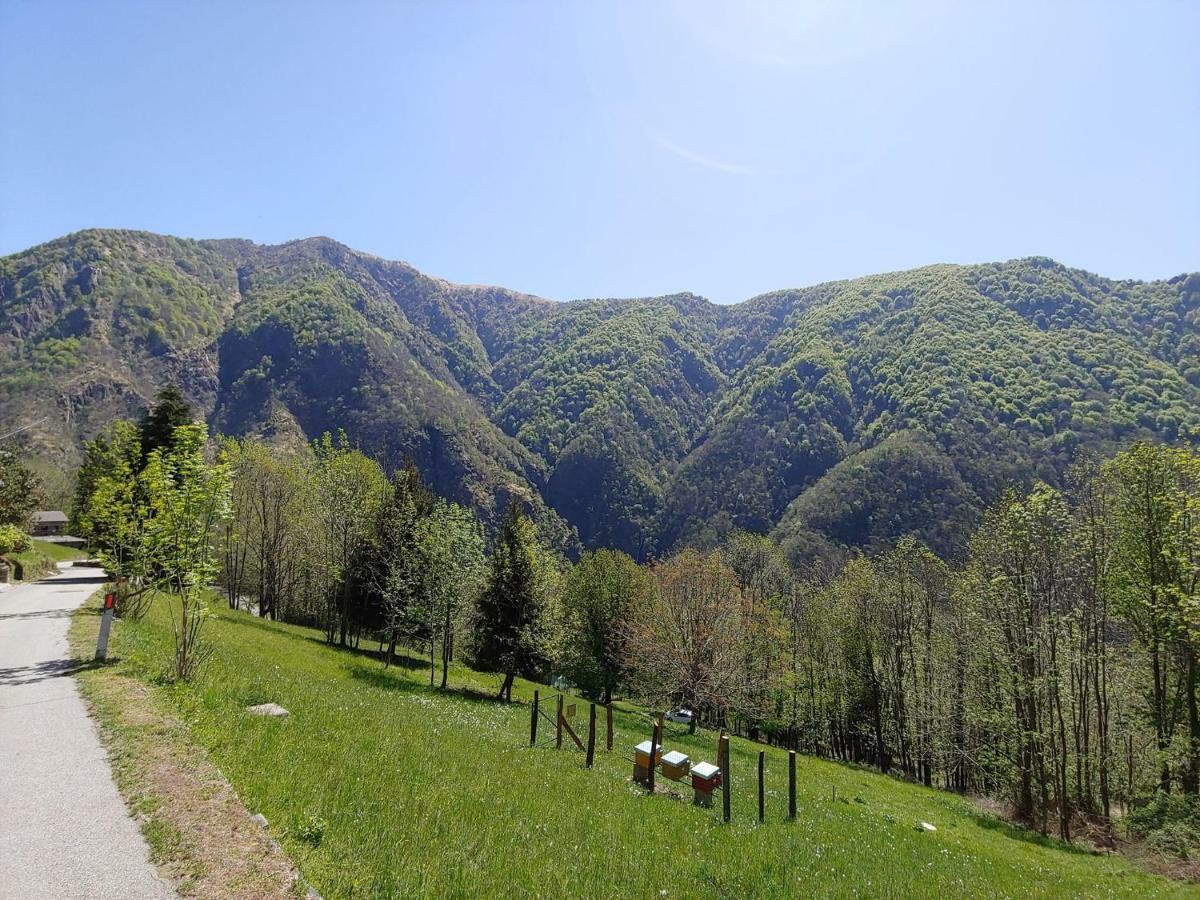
110	601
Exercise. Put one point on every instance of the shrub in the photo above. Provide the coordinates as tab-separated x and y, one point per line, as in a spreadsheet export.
1175	838
1169	823
1164	810
13	540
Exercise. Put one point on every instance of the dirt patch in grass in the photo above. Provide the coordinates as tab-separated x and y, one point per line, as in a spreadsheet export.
201	837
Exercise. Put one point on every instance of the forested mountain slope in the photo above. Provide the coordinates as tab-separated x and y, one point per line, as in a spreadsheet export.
844	414
903	402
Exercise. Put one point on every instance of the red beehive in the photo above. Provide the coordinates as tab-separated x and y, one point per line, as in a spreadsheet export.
706	777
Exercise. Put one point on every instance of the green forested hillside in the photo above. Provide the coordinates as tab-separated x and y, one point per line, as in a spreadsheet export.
612	395
325	340
996	373
845	414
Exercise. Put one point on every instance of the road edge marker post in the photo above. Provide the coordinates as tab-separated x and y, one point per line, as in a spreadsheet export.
110	603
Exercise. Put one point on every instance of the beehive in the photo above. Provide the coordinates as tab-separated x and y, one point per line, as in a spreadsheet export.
641	753
675	765
706	777
641	761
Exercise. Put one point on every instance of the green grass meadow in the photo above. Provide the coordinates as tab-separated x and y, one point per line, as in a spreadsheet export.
56	552
378	786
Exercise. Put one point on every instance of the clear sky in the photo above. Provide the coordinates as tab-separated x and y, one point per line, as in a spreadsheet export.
616	149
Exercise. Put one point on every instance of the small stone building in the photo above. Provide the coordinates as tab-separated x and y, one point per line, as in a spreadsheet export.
48	523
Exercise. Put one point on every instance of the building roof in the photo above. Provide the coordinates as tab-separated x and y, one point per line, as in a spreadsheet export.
46	516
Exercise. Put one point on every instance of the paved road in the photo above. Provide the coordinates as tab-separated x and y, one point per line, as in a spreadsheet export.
64	831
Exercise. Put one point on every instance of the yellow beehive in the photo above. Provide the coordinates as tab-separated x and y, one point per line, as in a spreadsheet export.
641	761
641	753
675	765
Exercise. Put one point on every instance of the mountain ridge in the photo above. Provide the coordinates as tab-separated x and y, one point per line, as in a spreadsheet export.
640	423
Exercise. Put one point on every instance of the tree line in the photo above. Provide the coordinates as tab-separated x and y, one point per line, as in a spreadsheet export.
1053	667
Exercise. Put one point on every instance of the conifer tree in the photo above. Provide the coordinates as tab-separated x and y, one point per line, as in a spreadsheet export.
509	637
158	424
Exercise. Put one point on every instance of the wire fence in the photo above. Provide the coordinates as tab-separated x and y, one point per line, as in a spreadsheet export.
649	767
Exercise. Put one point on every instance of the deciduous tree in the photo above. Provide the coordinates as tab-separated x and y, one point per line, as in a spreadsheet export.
187	498
601	595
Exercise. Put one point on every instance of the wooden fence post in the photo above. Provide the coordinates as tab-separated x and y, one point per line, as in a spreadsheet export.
658	726
791	784
762	810
654	738
608	741
725	776
533	717
558	725
591	750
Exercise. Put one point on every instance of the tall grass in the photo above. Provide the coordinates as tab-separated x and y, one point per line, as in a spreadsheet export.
379	786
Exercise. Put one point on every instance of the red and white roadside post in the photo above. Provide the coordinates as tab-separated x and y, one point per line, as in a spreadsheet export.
110	602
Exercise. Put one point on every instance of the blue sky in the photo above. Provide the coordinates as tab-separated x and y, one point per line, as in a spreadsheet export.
616	149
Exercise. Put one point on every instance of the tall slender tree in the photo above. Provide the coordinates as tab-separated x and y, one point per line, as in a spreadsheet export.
350	489
510	627
1157	508
394	566
452	549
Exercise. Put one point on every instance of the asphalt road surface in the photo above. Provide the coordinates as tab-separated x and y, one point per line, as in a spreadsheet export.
64	830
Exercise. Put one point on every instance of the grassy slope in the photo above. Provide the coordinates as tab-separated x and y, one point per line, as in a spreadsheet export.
41	557
417	793
200	836
56	552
